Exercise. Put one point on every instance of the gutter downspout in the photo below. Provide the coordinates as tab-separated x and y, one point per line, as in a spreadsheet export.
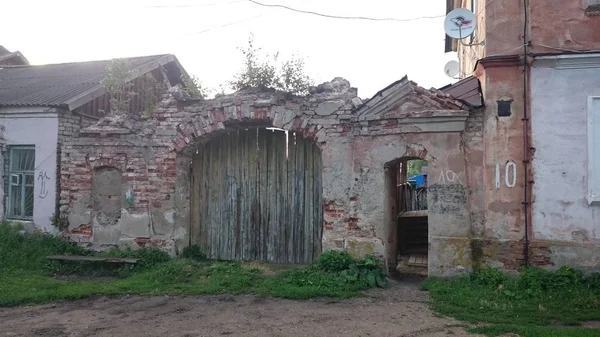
526	151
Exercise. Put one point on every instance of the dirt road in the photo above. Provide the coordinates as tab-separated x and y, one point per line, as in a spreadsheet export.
400	310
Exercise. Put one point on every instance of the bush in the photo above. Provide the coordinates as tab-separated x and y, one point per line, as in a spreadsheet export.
19	250
176	271
193	252
592	281
489	277
537	279
149	256
335	261
366	271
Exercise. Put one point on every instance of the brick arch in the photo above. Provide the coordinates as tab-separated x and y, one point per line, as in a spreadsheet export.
203	127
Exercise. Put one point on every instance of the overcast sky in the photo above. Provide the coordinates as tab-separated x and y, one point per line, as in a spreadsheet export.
205	34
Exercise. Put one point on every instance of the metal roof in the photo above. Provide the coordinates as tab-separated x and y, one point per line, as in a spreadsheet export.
467	90
63	84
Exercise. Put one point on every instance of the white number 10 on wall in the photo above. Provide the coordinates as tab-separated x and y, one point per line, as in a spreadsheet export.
510	174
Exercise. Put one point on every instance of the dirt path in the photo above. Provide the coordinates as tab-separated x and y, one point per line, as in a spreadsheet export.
400	310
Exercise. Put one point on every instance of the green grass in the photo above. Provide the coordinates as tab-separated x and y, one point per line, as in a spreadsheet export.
27	277
534	331
525	305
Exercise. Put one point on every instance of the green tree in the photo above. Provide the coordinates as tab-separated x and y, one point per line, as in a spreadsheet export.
259	72
193	87
414	167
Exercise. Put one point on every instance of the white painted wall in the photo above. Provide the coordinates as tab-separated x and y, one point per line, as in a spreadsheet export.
559	97
41	130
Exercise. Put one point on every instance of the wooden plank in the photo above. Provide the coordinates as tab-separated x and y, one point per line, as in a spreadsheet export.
413	214
263	194
291	188
238	195
93	259
271	225
205	218
254	193
282	204
300	166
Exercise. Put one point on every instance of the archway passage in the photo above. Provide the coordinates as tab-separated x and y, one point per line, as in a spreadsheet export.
257	195
407	192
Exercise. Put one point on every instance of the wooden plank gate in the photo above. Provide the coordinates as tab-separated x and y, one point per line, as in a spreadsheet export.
257	195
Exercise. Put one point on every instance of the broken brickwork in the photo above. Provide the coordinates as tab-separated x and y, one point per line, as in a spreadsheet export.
356	139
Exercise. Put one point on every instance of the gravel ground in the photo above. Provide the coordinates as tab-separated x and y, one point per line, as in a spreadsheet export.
401	310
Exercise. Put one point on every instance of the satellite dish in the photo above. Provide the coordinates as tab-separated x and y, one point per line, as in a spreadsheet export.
451	68
460	23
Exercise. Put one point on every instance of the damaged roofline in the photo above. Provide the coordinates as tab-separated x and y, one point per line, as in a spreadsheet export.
99	90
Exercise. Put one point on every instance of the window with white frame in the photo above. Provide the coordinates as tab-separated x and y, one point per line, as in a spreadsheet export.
21	173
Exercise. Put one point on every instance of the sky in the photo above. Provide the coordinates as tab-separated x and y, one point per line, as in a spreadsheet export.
205	36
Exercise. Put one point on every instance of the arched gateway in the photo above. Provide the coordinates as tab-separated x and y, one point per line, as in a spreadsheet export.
265	176
257	195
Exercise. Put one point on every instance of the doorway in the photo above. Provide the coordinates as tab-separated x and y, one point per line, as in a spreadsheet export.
409	179
257	195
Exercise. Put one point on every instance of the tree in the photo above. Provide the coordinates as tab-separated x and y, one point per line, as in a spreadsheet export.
119	85
261	73
193	87
414	167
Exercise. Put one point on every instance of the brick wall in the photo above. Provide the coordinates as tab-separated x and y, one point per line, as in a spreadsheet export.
69	125
153	155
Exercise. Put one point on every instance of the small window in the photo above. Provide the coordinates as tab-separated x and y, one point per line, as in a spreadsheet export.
21	171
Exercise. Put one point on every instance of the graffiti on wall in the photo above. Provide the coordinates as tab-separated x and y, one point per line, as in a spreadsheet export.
43	179
448	195
506	174
449	177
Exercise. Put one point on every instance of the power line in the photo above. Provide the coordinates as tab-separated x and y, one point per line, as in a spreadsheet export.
344	17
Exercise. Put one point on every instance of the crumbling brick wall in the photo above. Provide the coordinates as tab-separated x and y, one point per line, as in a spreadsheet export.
69	125
154	157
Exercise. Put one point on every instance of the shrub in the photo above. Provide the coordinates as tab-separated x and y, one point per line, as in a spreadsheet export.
193	252
149	256
335	261
592	281
366	271
176	271
489	277
19	250
537	279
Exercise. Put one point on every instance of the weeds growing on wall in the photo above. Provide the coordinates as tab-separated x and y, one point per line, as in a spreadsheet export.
267	72
522	303
26	276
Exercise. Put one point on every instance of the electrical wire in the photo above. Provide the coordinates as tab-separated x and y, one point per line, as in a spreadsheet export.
344	17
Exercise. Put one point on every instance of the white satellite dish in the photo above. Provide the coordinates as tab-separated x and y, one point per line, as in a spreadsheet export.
460	23
451	68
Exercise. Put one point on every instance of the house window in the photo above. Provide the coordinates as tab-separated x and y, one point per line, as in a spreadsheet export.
21	172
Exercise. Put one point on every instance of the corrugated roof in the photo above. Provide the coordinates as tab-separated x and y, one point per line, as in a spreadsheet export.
57	84
467	90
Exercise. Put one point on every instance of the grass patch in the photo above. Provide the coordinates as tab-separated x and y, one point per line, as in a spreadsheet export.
534	331
525	304
27	277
